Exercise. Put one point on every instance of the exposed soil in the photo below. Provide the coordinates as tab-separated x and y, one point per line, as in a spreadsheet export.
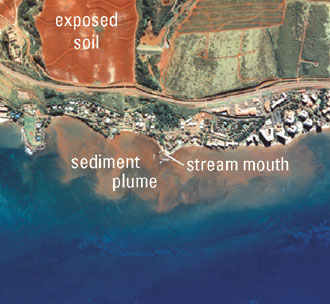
8	9
113	62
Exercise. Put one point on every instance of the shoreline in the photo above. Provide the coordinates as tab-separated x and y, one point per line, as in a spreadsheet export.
76	140
31	149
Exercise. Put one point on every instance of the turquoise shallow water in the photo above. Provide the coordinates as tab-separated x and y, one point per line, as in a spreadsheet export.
63	243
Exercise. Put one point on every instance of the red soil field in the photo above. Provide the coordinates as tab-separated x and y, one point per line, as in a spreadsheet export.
220	15
113	62
8	9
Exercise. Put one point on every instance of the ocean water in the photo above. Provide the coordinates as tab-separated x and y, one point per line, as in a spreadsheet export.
65	243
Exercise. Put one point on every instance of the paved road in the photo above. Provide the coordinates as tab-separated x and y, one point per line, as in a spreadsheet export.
275	86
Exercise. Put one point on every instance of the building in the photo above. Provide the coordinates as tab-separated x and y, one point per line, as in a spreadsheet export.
314	97
282	138
267	135
292	130
304	98
303	114
3	109
278	102
290	120
308	123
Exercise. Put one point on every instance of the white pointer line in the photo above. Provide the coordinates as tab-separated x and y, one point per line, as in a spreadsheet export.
175	160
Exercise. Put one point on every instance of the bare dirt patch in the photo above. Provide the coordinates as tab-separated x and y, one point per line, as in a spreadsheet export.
113	62
8	9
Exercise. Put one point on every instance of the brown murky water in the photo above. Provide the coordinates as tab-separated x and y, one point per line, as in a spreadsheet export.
73	139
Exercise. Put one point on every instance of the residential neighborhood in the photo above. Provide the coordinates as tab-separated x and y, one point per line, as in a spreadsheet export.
264	120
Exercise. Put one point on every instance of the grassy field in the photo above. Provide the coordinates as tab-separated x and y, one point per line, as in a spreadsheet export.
29	127
211	62
203	65
187	71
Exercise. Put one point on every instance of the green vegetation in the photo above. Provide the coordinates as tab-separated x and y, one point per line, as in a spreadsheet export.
316	50
132	102
29	127
154	61
184	112
4	46
189	75
14	99
198	69
238	129
25	70
180	17
155	12
317	47
113	101
143	76
287	47
158	15
50	97
144	8
164	15
35	66
166	117
259	63
26	12
195	71
99	29
52	94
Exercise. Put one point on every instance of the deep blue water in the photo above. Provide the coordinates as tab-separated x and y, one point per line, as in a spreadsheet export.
64	244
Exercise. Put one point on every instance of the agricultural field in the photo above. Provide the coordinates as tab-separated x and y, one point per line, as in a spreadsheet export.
182	48
315	56
218	62
287	40
303	42
220	15
112	62
208	57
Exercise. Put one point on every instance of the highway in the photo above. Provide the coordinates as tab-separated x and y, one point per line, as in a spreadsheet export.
267	87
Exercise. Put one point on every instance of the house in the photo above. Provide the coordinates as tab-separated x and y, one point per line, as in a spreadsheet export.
308	123
290	120
303	114
292	130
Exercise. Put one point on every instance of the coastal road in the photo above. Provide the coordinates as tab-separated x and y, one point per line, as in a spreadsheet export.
267	87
